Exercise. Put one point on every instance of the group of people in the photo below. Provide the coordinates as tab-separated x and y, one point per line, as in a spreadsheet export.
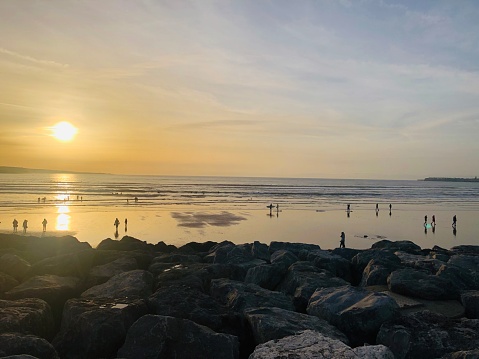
25	225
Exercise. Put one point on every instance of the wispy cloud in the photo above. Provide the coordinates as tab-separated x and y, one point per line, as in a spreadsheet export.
31	59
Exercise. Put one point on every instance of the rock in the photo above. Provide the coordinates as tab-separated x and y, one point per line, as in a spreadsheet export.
294	248
190	303
260	251
6	283
155	336
377	272
232	254
14	266
27	316
463	271
463	354
18	344
196	247
346	253
335	264
100	274
76	264
276	323
470	301
466	249
52	289
134	284
241	296
284	258
428	335
96	328
410	282
419	262
356	312
313	345
362	259
404	246
20	356
266	276
128	243
302	279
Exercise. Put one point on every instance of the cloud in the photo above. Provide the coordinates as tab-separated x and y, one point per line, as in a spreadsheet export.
32	59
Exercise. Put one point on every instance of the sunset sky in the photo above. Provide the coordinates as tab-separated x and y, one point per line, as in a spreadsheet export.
330	89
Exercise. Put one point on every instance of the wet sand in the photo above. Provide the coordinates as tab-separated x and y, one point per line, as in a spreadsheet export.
322	226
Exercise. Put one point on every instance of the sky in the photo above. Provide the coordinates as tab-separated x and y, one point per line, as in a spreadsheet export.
383	89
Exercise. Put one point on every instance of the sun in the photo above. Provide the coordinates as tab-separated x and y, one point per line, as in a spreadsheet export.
64	131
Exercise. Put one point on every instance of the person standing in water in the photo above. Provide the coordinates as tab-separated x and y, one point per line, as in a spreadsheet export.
342	242
44	224
116	223
25	226
454	221
15	225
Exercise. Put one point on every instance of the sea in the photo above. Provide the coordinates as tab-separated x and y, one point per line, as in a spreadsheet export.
178	210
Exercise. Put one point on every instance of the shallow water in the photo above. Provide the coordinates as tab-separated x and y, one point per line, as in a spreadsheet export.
178	210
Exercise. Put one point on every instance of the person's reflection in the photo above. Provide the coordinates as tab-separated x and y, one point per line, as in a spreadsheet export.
425	229
454	231
116	233
348	213
434	229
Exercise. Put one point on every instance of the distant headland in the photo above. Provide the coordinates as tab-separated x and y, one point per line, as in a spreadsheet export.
21	170
451	179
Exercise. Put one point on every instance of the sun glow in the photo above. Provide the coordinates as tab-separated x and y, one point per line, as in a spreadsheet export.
64	131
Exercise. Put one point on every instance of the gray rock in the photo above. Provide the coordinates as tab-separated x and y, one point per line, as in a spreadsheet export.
284	258
428	335
302	279
241	296
362	259
335	264
313	345
466	249
276	323
377	272
27	316
76	264
405	246
294	248
100	274
470	301
7	282
419	262
18	344
154	336
96	328
463	354
14	266
410	282
463	270
260	251
133	284
266	276
356	312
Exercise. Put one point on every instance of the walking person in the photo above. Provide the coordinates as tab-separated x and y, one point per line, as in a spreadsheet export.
342	242
25	226
116	223
454	221
433	222
15	225
44	224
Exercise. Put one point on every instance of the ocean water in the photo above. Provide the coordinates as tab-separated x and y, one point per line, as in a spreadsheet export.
178	210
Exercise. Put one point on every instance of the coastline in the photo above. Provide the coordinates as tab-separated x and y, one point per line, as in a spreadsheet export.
233	301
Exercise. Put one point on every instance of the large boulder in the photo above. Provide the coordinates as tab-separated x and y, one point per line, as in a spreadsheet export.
155	336
313	345
404	246
377	272
240	296
133	284
362	259
96	328
7	282
190	303
276	323
295	248
128	243
21	344
419	262
470	301
266	276
14	266
333	263
463	270
27	316
355	311
283	258
53	289
101	273
302	279
414	283
76	264
428	335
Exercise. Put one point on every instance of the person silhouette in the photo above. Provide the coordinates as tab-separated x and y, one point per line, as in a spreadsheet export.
15	225
44	224
126	224
377	207
454	221
425	220
116	223
433	222
342	242
25	226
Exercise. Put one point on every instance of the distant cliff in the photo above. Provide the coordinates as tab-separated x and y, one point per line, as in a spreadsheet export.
20	170
451	179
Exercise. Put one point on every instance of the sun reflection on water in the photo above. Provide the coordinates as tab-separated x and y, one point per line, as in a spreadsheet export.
63	218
